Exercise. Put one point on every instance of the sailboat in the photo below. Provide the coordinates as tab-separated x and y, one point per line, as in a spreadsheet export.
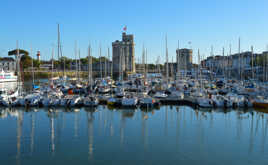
34	86
90	100
53	78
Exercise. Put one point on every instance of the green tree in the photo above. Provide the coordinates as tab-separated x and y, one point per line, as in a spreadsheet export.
26	61
36	63
15	51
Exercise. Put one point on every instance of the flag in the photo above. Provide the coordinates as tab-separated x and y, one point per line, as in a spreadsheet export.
125	28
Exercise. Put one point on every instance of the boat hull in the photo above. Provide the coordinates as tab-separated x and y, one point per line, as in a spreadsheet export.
8	80
260	105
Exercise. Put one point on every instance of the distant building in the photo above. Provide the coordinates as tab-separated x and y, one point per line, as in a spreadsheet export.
185	58
124	54
239	64
47	66
8	64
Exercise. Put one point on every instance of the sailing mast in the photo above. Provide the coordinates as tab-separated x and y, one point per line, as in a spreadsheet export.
212	63
79	65
32	67
167	73
178	56
88	60
240	72
100	62
18	68
111	70
171	68
90	76
266	63
199	66
123	64
146	66
75	53
59	45
231	67
158	66
120	64
143	62
223	64
61	60
252	58
105	66
52	64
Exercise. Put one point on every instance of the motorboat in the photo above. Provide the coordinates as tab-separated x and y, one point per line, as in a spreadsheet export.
90	101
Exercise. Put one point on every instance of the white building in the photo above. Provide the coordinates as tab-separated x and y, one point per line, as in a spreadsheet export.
8	64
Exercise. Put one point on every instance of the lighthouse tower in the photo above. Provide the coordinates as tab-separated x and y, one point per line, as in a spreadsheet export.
38	55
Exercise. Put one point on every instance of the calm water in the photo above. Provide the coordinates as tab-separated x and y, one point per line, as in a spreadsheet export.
171	135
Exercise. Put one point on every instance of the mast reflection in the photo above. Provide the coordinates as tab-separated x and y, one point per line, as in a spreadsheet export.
144	130
52	115
122	127
177	128
19	133
90	121
32	131
76	123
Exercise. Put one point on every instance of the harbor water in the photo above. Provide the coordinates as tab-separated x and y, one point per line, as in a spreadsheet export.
169	135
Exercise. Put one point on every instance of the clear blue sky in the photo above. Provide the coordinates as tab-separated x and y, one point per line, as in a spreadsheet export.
100	22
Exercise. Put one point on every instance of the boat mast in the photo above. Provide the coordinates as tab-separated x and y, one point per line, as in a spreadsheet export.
59	45
266	63
178	56
240	72
171	68
120	63
123	63
18	68
52	64
75	53
111	68
231	67
90	67
105	66
199	65
158	66
100	63
212	63
223	64
146	66
88	60
143	63
252	58
167	73
263	67
32	66
79	65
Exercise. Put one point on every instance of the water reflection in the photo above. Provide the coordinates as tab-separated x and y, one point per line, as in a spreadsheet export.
32	131
90	120
175	130
52	115
19	116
